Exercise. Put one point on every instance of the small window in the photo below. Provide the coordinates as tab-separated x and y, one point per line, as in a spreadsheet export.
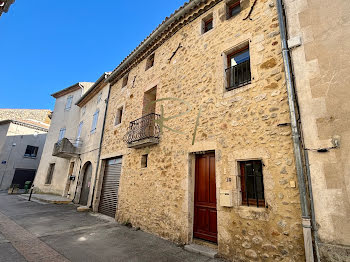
233	8
119	116
31	151
125	80
144	161
238	71
83	110
150	62
207	24
62	133
252	184
99	98
69	103
50	174
94	121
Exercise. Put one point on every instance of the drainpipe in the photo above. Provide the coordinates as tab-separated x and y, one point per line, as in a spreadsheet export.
100	147
306	221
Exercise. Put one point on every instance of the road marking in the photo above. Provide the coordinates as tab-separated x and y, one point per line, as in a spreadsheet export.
27	244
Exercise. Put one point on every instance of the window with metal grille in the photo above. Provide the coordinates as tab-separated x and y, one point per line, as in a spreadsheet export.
50	173
31	151
233	8
238	72
252	184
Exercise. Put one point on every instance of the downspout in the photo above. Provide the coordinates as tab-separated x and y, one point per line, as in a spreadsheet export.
306	221
100	146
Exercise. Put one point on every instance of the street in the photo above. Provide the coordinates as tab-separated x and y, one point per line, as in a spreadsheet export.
37	231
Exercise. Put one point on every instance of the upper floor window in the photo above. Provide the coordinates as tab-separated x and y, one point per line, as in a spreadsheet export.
233	8
150	62
62	133
69	102
94	121
83	110
125	80
252	184
119	116
238	71
31	151
207	23
99	97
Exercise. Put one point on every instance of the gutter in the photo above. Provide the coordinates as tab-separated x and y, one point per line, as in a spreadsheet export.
296	134
100	147
102	77
191	5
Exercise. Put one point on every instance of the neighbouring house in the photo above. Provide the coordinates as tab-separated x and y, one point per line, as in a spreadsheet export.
319	44
197	144
21	147
5	5
71	152
41	115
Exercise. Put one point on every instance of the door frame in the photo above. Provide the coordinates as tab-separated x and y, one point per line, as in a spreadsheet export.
191	190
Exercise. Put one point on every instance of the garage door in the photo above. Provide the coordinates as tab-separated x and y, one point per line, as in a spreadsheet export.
23	175
110	186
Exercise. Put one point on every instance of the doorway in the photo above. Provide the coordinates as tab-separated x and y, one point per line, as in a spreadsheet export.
85	187
205	213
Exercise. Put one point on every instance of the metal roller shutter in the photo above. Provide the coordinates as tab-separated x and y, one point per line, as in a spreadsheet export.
110	186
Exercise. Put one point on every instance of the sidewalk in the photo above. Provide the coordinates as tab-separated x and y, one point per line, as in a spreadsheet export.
61	232
52	199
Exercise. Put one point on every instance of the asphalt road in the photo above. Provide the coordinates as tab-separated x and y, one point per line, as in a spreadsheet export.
35	231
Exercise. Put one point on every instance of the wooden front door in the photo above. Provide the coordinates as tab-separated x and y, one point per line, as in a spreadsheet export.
205	218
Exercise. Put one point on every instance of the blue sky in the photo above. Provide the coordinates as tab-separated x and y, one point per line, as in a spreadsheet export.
50	45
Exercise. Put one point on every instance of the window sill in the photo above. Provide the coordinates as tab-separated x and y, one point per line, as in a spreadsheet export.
253	213
31	157
93	131
237	87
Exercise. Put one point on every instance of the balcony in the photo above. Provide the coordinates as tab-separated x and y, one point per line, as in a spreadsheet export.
238	75
143	132
66	149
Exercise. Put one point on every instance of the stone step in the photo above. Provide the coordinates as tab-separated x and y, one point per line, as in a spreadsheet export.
83	209
203	250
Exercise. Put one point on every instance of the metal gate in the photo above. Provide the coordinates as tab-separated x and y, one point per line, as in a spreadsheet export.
110	186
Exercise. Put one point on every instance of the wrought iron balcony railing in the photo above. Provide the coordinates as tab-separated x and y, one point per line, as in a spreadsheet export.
143	131
238	75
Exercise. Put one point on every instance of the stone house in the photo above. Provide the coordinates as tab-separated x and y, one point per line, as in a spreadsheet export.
5	5
21	147
196	144
319	43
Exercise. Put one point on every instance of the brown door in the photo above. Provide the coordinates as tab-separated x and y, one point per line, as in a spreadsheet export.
205	219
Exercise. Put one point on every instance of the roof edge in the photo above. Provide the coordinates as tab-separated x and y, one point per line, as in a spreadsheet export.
18	122
179	13
83	99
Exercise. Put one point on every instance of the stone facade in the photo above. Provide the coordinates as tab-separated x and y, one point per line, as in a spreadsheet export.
321	67
40	115
242	124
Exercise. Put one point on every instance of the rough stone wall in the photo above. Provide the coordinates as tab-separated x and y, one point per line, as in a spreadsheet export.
239	125
324	92
41	115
